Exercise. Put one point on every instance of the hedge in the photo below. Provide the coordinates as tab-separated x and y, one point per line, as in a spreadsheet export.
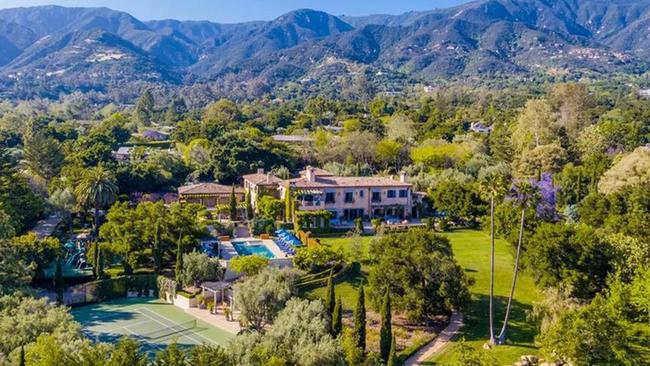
113	288
321	278
186	294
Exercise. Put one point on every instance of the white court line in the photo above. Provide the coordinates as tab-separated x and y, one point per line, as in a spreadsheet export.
174	323
124	326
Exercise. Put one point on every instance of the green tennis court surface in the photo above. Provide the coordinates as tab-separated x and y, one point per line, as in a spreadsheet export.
152	322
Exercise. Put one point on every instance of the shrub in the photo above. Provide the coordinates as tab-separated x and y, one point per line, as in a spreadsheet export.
198	267
250	265
317	258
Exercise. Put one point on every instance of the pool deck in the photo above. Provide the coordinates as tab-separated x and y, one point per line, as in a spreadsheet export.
228	251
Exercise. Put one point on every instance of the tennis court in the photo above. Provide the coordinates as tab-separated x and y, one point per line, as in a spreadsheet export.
154	323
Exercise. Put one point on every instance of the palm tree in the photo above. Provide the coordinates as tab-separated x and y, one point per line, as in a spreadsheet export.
96	189
526	194
493	183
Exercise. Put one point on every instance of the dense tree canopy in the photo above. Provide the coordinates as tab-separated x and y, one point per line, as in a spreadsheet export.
419	269
262	296
571	256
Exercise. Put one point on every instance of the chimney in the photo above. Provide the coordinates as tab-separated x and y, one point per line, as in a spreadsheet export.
260	170
310	174
268	177
403	177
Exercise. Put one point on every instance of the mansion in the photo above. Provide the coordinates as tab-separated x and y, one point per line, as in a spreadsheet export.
347	198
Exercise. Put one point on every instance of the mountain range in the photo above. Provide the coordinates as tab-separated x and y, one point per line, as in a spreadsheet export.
48	50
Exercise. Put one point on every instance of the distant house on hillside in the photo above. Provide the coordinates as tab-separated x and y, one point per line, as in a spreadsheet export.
153	135
335	129
480	127
123	153
210	195
644	93
292	138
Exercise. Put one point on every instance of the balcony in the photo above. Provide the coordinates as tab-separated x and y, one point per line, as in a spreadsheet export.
309	203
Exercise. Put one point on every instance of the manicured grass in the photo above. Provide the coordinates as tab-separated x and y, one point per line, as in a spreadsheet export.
348	286
472	250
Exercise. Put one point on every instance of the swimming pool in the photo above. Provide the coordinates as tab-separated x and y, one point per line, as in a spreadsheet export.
244	248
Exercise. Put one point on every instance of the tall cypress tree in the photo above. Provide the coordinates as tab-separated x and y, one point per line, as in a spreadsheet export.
249	206
21	359
360	319
96	260
179	260
233	205
337	318
58	281
288	204
330	300
100	262
386	332
392	356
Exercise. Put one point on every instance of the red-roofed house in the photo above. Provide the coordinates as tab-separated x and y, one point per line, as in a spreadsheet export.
210	195
261	183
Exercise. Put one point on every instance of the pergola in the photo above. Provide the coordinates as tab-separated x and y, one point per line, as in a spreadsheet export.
217	287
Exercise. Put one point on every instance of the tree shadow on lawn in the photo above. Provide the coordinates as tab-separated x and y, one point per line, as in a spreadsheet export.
521	331
96	316
354	276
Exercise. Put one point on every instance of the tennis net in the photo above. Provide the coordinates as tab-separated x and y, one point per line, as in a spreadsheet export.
170	330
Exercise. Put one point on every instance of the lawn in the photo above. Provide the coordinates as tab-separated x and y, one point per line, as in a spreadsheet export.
348	287
472	249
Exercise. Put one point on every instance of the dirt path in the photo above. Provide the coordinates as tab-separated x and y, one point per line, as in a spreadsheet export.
435	346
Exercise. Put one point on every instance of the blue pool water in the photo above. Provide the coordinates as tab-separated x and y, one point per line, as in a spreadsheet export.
252	248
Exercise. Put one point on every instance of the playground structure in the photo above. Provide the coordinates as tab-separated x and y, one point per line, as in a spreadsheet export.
74	262
75	258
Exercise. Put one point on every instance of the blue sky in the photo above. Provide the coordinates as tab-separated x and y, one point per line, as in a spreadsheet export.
242	10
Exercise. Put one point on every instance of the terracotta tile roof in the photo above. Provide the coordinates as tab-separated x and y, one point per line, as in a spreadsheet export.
262	179
342	182
317	171
292	138
208	188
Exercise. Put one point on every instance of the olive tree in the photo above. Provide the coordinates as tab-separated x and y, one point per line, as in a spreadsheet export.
261	297
199	267
299	336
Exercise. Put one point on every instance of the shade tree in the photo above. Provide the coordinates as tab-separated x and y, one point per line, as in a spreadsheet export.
262	296
299	336
419	270
570	255
198	267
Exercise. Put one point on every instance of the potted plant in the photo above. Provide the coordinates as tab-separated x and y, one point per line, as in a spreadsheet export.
227	313
211	307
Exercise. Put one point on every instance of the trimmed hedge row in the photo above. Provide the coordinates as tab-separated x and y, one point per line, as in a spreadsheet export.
112	288
316	280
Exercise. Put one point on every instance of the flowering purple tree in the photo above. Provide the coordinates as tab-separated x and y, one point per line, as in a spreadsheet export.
136	197
169	198
546	207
